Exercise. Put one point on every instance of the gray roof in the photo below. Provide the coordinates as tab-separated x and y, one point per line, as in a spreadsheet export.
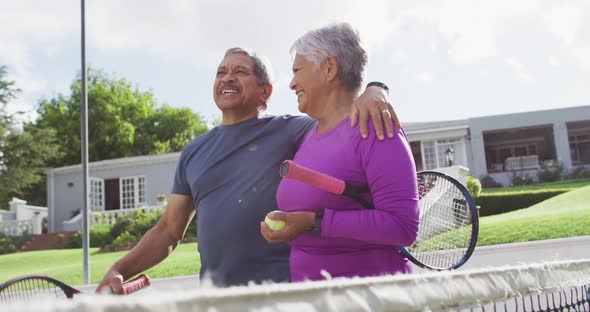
435	125
120	162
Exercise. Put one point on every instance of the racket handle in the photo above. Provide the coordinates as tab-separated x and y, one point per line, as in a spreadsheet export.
291	170
136	284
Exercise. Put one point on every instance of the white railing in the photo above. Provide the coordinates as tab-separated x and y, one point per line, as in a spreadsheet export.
101	217
22	217
522	162
110	216
16	227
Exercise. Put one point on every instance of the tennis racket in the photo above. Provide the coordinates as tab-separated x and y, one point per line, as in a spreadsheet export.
37	286
449	223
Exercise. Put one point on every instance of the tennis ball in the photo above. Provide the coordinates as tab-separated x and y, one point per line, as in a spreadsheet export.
274	225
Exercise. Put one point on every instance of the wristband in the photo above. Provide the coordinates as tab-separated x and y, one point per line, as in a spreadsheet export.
378	84
317	222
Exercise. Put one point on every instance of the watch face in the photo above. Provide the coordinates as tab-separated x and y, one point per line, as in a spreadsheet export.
284	169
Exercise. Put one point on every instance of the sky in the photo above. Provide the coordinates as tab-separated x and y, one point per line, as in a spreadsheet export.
442	60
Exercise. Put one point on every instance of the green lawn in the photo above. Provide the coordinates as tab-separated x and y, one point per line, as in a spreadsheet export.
564	215
553	186
66	264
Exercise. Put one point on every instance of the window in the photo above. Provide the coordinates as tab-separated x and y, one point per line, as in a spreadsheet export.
96	194
429	155
434	153
132	190
580	148
532	149
520	151
458	152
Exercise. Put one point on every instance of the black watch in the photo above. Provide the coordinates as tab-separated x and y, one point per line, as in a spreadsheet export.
378	84
317	222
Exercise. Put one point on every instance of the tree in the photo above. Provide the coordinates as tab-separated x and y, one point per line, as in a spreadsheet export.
7	93
24	152
122	121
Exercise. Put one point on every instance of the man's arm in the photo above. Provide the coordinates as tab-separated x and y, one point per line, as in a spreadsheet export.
374	103
155	245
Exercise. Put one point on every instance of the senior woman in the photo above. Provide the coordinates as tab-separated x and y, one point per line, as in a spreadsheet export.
328	232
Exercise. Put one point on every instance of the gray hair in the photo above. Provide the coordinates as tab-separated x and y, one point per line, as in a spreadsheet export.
262	68
342	42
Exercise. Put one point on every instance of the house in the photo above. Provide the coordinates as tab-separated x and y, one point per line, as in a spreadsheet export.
498	146
502	146
115	185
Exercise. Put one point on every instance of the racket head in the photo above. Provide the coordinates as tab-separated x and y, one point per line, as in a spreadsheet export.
34	286
449	223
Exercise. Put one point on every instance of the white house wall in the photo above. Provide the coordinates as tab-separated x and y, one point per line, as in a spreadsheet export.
64	200
556	117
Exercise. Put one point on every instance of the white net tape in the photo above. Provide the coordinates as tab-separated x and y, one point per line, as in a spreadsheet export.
425	292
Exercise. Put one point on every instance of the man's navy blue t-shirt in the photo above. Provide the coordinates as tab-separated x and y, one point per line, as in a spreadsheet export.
232	173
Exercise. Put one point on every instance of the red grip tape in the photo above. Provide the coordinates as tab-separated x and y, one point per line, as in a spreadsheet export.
312	177
136	284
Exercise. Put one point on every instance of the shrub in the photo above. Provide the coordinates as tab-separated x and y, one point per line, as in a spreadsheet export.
6	245
474	186
580	173
145	221
44	228
9	244
489	182
76	240
550	173
518	180
125	238
100	235
191	231
492	204
123	224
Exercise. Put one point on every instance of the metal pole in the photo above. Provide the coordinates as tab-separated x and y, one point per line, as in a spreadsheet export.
84	151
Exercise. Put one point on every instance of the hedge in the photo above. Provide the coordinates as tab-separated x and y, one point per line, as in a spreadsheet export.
492	204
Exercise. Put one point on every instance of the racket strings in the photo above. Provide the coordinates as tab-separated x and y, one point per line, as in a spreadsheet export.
27	289
445	223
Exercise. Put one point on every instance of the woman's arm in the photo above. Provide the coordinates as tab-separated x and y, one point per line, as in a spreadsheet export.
391	175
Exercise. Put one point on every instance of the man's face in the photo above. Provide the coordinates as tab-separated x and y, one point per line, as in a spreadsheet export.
236	87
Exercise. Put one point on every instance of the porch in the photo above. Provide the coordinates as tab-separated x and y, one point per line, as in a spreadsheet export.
519	149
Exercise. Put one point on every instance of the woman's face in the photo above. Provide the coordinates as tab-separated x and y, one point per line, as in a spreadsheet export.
307	83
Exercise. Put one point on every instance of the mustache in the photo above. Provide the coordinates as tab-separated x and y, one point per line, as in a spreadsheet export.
229	86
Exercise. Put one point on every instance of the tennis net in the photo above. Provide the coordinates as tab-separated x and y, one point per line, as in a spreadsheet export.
552	286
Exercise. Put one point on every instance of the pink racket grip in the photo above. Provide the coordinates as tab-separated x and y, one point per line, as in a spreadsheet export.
291	170
136	284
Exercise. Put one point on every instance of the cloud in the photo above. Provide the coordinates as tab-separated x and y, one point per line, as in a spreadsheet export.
409	43
521	72
424	77
583	56
471	27
554	61
27	25
564	21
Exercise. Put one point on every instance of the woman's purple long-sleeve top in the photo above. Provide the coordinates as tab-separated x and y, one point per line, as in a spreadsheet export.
354	241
